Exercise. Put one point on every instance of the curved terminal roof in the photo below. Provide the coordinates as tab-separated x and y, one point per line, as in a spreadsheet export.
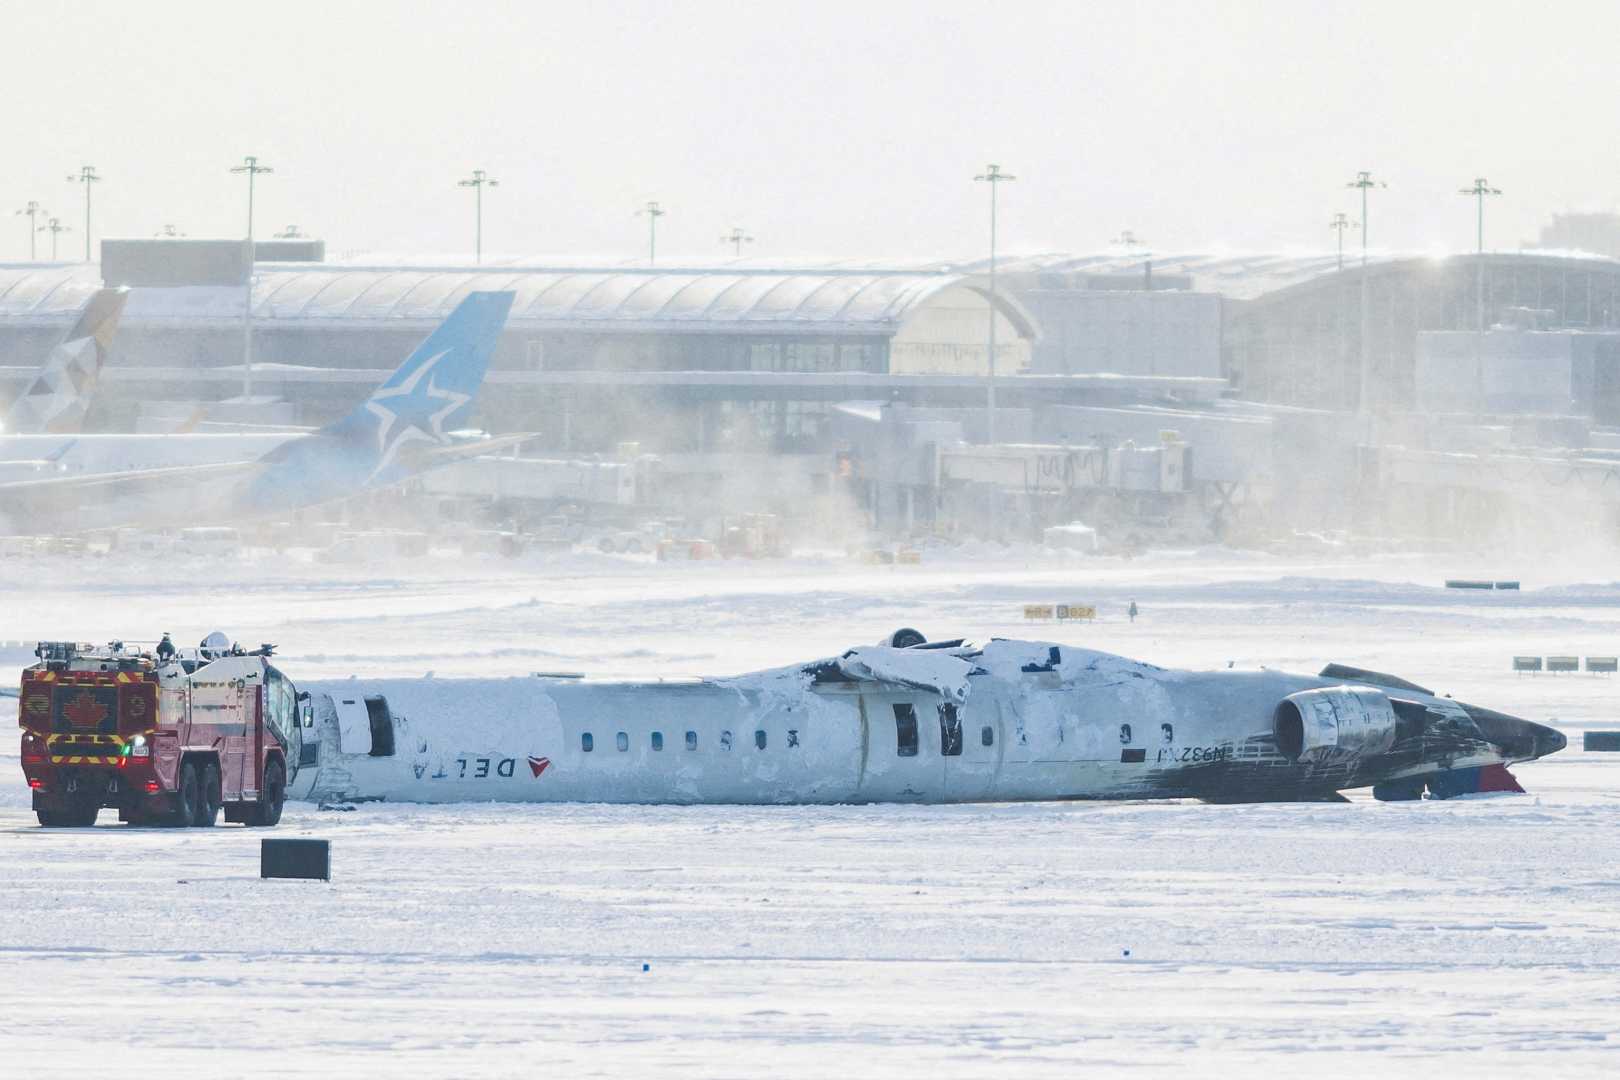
689	300
806	295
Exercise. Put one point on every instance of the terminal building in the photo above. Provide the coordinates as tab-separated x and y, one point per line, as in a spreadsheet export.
1242	356
698	357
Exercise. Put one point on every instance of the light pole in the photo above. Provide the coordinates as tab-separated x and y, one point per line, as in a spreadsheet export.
737	237
1481	188
86	176
250	165
653	212
55	227
993	176
478	181
34	211
1340	223
1364	181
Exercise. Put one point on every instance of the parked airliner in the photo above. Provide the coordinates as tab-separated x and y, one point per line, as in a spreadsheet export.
407	425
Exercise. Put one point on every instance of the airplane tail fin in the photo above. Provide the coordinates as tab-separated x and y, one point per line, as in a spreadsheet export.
56	401
432	392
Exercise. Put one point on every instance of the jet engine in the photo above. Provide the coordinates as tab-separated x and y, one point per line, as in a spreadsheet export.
1336	721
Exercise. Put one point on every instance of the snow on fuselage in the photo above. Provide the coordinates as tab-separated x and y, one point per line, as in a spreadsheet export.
1015	721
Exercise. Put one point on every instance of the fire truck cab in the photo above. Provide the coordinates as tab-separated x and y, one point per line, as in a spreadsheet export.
168	738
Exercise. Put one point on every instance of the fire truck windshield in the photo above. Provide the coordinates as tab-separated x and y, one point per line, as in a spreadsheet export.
282	702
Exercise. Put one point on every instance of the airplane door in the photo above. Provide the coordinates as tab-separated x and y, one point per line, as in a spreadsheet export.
903	750
970	742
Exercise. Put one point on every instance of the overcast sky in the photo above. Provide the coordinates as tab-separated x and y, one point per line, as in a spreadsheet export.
822	128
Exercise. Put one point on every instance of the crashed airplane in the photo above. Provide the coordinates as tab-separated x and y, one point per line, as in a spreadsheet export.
907	721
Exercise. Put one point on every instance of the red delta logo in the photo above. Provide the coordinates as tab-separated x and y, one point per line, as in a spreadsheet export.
538	765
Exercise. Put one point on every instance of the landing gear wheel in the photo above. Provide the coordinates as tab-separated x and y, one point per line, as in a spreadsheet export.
605	546
186	797
208	798
272	794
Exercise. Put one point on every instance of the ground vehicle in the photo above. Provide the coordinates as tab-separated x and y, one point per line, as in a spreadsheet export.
169	737
634	541
754	536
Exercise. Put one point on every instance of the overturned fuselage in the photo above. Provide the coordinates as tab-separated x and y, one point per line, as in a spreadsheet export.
1009	721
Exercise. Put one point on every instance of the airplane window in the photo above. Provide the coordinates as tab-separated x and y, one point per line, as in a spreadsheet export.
1124	733
586	743
759	739
691	740
623	740
658	740
725	740
950	731
987	736
905	730
1168	732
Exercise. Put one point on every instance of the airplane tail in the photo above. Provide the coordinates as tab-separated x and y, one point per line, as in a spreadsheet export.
431	393
56	401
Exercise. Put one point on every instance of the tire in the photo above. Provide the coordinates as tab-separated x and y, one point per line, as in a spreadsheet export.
83	817
632	546
186	796
51	819
605	546
272	794
208	798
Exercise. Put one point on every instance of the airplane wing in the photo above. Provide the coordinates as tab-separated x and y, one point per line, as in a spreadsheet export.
444	455
51	484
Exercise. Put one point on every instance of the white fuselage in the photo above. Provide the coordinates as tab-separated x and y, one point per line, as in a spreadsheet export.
1012	726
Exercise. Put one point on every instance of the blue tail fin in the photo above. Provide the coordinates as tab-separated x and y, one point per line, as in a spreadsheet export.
433	391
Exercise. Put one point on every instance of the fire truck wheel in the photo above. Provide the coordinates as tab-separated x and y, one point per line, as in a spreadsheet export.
208	798
76	818
186	796
271	796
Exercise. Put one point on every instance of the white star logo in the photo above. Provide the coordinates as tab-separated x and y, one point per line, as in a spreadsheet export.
411	410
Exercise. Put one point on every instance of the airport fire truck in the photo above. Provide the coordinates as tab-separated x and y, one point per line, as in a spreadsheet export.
167	736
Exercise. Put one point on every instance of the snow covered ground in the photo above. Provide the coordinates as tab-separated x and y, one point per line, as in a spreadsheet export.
1479	937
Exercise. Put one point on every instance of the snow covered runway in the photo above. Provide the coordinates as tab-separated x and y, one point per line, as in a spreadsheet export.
1480	937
